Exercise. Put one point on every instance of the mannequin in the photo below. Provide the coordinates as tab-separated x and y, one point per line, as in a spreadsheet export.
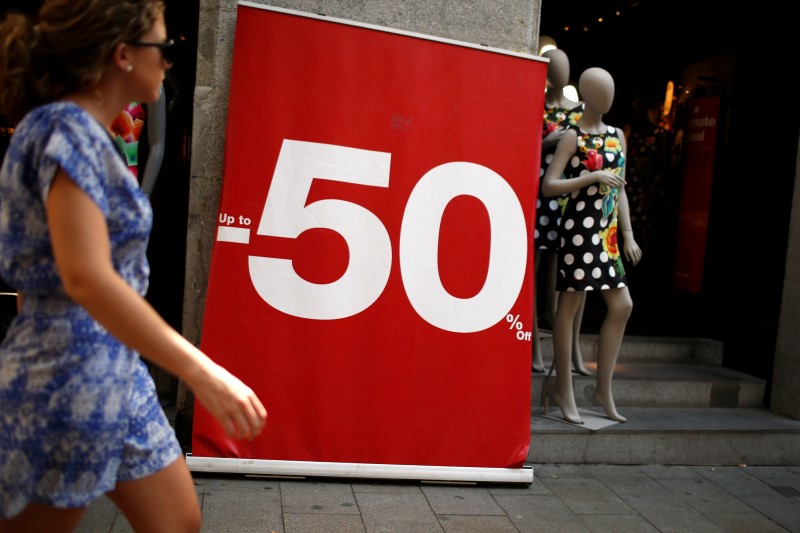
558	112
127	128
156	135
591	155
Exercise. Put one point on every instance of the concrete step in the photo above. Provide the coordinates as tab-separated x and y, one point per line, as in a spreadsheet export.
643	349
665	385
669	436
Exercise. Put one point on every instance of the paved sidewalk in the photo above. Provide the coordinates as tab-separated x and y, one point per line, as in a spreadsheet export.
562	498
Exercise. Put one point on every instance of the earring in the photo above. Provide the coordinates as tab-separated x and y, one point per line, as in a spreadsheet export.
129	68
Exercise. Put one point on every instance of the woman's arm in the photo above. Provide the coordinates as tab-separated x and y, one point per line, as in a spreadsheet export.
83	255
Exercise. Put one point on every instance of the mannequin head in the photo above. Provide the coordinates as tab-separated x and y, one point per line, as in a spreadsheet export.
558	69
597	89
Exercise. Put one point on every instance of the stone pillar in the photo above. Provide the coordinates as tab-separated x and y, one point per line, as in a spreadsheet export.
784	397
506	24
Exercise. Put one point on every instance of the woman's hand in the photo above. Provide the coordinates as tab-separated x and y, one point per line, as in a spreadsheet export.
235	406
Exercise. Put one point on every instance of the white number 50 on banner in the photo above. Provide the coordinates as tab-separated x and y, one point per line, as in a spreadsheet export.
287	215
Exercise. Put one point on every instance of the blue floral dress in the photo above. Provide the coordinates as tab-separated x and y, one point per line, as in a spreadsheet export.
78	409
589	257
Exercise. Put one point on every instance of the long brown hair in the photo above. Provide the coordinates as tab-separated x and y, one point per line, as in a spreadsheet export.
65	48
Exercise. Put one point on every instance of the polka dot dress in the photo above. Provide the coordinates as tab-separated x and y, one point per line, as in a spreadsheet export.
549	210
589	258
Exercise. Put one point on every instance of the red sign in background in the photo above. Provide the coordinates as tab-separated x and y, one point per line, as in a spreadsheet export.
372	274
699	152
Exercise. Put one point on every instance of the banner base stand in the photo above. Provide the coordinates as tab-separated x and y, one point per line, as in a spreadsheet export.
360	470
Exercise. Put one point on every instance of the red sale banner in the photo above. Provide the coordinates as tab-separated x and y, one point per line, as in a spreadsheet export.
371	277
700	146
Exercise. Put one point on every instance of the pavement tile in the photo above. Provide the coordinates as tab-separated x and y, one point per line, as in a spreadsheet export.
628	480
300	497
242	511
121	525
472	524
609	469
561	499
409	513
783	490
537	487
745	523
552	471
540	514
235	483
777	476
391	487
734	479
785	511
323	523
100	516
587	496
621	523
706	497
461	501
670	514
669	471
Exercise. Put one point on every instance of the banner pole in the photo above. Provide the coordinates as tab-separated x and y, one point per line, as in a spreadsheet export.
360	470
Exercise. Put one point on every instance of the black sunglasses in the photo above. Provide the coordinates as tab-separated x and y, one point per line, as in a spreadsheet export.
167	48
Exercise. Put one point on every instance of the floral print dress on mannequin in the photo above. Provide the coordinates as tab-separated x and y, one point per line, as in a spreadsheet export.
127	129
589	258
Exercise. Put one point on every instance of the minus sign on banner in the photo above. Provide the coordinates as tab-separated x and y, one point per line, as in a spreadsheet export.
229	234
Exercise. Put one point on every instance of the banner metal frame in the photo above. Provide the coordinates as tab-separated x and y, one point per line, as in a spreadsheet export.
359	470
422	473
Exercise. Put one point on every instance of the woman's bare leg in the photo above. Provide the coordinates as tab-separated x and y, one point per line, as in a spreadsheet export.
162	502
620	306
568	304
38	517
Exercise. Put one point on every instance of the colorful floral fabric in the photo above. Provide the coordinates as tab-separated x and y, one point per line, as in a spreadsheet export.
127	128
549	210
79	409
589	258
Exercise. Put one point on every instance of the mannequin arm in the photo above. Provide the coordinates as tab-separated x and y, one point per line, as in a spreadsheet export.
553	185
156	132
552	138
629	246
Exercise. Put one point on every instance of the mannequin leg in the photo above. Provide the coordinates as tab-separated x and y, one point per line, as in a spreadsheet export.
620	306
564	396
577	355
549	292
538	362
